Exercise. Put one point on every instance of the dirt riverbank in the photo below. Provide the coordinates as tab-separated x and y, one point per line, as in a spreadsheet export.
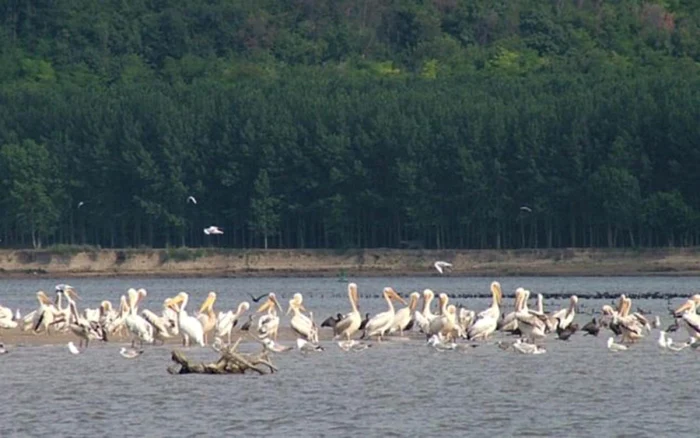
193	262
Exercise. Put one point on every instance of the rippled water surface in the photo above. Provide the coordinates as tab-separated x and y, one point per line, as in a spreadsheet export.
398	388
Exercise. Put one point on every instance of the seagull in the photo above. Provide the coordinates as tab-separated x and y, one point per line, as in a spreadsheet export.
273	346
72	348
80	204
526	208
612	346
192	200
353	345
527	348
3	350
440	265
666	342
306	346
130	353
213	230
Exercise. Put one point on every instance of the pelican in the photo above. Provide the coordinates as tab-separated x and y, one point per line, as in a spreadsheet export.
130	353
612	346
404	315
270	322
163	326
381	322
190	327
424	317
440	266
302	324
350	323
691	320
630	325
566	316
81	327
136	324
509	323
443	324
531	324
226	321
7	318
206	315
488	319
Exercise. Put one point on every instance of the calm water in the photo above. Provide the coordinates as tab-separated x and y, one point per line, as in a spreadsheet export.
578	388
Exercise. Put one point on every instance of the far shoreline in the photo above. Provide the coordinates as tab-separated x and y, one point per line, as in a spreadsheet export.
77	262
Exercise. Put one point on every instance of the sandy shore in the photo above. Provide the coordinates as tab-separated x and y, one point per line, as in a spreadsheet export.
201	262
17	337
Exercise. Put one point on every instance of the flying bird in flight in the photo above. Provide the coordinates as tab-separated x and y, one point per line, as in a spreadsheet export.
526	208
192	200
213	230
80	204
440	266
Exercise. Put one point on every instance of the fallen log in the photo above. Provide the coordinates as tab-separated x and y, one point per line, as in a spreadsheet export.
230	362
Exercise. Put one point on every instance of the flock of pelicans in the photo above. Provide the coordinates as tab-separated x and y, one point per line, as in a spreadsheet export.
442	328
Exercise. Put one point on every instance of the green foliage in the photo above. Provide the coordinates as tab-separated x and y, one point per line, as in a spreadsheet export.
340	124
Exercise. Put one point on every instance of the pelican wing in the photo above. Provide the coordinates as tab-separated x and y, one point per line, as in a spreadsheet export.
693	321
156	321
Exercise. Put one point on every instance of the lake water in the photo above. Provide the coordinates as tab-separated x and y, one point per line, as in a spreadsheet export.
578	388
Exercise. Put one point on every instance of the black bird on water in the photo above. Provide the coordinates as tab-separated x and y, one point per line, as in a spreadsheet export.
331	321
592	328
364	322
245	327
673	327
565	333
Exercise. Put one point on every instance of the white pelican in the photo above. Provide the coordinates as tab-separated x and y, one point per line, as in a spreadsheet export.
612	346
403	316
162	325
381	322
691	320
206	314
130	353
7	318
508	323
190	328
441	324
84	329
226	321
424	317
269	323
302	324
531	324
350	323
566	316
136	324
630	325
440	266
487	320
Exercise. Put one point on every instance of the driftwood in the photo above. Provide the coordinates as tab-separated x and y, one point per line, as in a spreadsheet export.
230	362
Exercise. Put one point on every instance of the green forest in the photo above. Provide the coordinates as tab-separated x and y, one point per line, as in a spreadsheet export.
350	124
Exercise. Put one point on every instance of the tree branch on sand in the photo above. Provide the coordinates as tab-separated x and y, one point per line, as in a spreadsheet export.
230	362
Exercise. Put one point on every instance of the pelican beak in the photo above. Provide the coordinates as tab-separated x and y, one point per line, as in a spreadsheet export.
396	296
277	303
72	293
685	307
497	293
206	305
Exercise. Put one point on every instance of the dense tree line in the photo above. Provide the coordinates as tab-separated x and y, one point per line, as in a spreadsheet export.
322	123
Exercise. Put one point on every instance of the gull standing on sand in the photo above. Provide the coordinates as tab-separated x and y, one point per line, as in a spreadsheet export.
305	346
213	230
440	265
274	347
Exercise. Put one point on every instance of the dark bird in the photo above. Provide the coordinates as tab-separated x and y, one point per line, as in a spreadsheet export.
565	333
246	326
592	328
331	321
673	327
255	300
364	322
409	326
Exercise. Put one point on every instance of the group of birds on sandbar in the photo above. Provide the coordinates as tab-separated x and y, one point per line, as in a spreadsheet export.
444	328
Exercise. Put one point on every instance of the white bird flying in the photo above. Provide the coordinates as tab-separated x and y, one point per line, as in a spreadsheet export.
192	200
440	265
213	230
